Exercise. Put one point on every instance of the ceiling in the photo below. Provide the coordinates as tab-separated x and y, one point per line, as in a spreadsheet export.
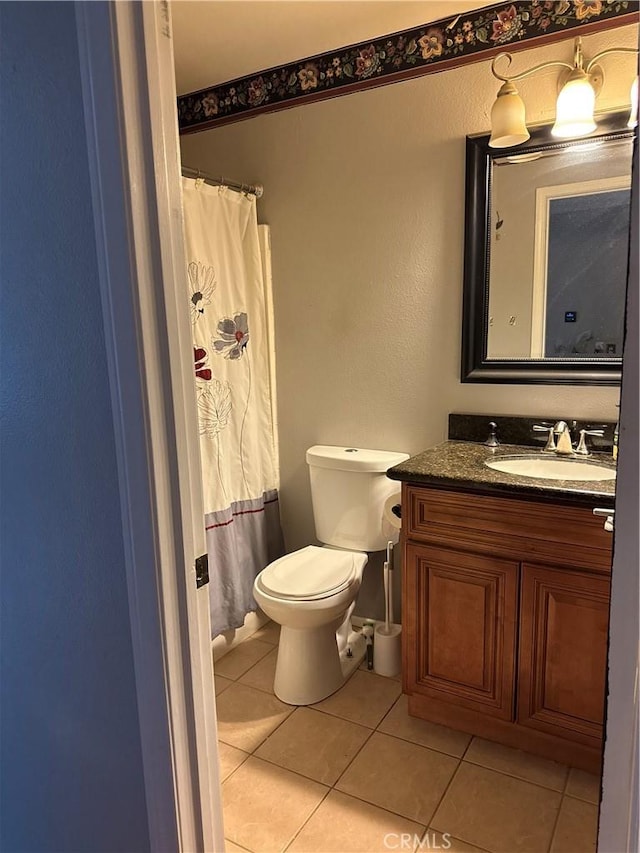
218	40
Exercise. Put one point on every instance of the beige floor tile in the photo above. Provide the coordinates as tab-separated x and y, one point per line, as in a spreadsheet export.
269	633
400	724
343	823
221	683
577	828
497	812
247	716
364	699
230	759
515	762
262	674
399	776
583	786
236	662
434	840
314	744
265	806
230	847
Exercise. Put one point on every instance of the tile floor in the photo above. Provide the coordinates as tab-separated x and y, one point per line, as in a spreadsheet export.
356	773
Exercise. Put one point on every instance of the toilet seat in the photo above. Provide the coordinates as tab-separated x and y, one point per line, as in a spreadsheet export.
310	574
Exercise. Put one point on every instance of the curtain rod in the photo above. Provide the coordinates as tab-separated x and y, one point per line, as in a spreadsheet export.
252	189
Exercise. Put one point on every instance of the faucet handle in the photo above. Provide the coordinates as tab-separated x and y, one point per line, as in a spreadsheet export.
582	449
492	440
550	446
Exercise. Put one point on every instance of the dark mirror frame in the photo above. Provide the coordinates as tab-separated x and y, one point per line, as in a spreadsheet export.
476	367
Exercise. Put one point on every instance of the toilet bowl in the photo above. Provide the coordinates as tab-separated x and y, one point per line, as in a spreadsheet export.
311	595
311	592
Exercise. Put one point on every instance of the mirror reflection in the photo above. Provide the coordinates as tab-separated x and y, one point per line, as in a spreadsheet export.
558	244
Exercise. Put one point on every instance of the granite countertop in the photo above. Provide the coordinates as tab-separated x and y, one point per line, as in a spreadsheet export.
459	465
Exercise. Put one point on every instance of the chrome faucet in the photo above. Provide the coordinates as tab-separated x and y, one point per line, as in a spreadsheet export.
582	449
561	429
564	446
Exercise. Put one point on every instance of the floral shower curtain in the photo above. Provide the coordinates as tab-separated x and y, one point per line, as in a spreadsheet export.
230	305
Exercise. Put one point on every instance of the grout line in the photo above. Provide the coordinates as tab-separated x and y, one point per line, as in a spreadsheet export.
444	794
288	770
245	671
238	845
226	778
466	749
266	738
513	776
555	824
452	837
355	755
297	773
359	800
385	715
299	830
422	745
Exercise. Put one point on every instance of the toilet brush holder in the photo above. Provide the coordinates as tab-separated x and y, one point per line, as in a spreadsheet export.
387	650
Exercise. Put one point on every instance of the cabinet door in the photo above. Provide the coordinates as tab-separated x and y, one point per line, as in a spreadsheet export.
564	619
460	619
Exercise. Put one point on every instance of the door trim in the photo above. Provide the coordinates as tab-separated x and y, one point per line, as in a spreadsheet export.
127	70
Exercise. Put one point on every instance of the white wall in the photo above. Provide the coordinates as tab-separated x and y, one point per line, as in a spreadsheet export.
72	776
365	198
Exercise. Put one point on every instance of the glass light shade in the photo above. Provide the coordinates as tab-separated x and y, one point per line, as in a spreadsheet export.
508	121
574	107
633	117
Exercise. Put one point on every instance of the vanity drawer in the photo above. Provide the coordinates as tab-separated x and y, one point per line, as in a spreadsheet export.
555	533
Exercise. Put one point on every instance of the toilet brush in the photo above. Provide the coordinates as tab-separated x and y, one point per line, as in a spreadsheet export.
386	649
388	590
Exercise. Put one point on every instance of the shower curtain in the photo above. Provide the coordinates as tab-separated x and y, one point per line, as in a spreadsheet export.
229	300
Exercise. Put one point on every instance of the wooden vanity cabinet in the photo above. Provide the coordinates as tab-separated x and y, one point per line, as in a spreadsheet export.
564	620
464	628
505	611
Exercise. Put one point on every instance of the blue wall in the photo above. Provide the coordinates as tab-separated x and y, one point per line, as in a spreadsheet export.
71	757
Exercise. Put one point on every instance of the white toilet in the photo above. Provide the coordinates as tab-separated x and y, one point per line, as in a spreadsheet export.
311	593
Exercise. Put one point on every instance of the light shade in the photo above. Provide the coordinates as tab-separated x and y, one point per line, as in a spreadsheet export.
574	107
508	122
633	117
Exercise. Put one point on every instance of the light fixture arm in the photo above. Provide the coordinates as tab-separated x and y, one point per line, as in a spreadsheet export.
578	61
602	53
577	92
509	78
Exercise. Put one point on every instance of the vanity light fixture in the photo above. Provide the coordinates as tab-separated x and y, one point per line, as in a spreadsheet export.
579	85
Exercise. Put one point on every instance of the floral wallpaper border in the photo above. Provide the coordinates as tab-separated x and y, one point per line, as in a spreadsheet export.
422	50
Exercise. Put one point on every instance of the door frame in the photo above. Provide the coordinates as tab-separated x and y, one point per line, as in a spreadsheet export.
127	71
619	828
127	66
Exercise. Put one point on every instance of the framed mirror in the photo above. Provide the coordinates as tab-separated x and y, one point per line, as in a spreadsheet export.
546	252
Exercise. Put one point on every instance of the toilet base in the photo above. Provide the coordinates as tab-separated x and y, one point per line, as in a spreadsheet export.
310	667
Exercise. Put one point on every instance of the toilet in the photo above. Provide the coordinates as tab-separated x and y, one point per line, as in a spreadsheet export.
311	592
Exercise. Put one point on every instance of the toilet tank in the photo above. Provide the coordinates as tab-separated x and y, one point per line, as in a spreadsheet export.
349	487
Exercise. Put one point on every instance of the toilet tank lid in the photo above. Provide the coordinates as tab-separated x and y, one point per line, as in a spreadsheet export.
353	458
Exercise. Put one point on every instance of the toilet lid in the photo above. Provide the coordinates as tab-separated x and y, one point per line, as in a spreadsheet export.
309	573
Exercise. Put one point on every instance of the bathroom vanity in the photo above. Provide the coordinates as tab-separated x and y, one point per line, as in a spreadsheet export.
506	584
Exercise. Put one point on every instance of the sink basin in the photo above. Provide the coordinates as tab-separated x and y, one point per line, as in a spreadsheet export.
551	468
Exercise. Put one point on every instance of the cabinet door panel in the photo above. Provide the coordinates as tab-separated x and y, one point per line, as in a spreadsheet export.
563	652
461	639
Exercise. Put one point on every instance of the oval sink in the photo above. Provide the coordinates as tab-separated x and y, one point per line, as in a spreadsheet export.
551	468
